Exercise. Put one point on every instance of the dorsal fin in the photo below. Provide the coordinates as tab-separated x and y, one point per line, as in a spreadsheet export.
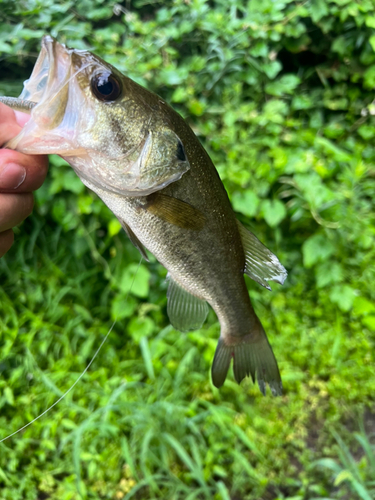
185	311
261	264
133	238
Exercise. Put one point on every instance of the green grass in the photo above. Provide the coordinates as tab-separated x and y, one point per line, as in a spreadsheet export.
145	420
353	474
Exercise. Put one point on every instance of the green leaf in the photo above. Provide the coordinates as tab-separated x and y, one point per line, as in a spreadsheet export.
330	148
327	273
114	227
284	85
246	202
343	296
366	132
370	21
316	249
343	475
141	327
223	491
9	397
271	69
363	306
340	45
318	9
196	107
302	101
122	306
146	354
369	78
369	321
273	211
135	279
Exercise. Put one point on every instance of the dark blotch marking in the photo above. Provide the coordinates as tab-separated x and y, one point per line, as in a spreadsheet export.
180	153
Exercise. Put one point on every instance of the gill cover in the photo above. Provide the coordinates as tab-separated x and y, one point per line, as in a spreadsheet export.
107	133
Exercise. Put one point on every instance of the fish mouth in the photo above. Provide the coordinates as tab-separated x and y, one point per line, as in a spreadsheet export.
48	95
116	144
44	71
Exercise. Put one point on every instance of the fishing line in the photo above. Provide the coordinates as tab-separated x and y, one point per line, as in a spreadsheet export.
82	374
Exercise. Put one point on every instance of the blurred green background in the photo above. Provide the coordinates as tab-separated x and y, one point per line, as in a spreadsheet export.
280	93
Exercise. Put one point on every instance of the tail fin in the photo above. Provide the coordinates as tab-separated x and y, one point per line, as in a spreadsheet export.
251	356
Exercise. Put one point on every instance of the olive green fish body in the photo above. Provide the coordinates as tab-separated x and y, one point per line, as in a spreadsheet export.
208	263
147	165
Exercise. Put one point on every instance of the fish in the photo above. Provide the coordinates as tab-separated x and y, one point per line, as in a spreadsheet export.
146	164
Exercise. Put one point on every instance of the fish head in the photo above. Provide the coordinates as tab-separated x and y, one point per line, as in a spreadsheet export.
113	132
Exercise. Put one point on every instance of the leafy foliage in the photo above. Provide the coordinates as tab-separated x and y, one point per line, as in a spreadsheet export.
350	474
281	95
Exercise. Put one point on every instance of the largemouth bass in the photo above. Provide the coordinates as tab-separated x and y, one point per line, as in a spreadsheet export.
143	160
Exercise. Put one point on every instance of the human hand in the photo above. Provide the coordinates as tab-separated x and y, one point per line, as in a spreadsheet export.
20	174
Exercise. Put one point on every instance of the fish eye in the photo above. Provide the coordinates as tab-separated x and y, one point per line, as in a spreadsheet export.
105	87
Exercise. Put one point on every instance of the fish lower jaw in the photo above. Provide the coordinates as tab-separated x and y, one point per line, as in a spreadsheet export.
46	144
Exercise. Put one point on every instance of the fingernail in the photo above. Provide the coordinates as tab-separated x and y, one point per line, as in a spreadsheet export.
21	118
12	176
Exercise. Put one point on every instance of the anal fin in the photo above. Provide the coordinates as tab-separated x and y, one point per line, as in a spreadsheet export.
185	311
261	264
133	238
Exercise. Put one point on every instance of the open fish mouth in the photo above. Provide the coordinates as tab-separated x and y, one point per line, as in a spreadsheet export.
52	96
45	70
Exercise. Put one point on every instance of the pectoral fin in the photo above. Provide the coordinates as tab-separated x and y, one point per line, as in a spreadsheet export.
185	311
261	264
133	238
174	211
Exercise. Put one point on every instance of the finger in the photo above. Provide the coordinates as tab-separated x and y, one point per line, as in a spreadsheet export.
14	208
8	124
21	172
6	241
